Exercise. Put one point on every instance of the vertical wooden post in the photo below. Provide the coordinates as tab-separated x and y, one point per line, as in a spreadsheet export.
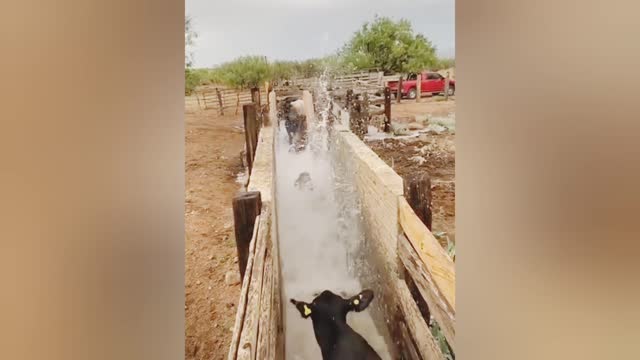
198	99
220	101
255	95
364	125
266	92
348	99
446	87
246	207
237	101
355	117
204	100
417	191
387	109
250	132
418	87
399	94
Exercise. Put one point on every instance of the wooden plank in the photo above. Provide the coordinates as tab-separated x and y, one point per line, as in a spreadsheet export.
248	345
242	301
266	304
246	206
438	263
277	339
276	318
424	340
442	313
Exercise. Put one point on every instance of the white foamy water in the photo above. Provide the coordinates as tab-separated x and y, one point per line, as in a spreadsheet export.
319	233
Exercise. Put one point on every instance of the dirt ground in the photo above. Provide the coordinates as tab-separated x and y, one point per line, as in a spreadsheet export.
431	151
212	162
428	105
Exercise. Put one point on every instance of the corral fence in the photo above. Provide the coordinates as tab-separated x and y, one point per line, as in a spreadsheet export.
225	100
415	276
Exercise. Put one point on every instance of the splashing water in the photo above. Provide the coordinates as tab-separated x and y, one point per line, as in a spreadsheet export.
319	232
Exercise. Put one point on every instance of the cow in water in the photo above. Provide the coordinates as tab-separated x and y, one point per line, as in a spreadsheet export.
295	121
337	340
304	182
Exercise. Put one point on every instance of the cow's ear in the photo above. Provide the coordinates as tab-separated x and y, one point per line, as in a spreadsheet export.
303	308
361	301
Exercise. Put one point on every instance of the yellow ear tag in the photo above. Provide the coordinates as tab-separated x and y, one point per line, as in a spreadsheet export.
307	311
356	302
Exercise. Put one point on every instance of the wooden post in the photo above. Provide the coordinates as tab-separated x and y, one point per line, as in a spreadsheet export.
387	109
399	94
348	99
220	101
198	99
246	207
355	116
446	87
250	132
204	100
266	92
255	95
364	125
418	87
237	101
417	191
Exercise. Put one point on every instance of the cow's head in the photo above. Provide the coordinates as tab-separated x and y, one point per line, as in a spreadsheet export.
332	306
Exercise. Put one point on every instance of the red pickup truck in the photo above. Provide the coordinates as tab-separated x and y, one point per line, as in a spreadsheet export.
432	83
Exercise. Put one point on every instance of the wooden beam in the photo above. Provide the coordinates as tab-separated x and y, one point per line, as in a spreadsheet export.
437	261
424	340
246	207
248	345
441	311
242	302
399	93
266	307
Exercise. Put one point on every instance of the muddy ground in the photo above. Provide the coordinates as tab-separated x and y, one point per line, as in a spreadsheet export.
212	150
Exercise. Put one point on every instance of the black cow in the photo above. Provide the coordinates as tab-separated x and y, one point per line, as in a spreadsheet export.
337	340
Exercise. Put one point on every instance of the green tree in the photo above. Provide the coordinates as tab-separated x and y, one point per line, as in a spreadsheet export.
191	78
389	46
283	70
189	40
245	72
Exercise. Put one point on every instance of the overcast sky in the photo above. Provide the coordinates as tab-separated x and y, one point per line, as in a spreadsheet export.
303	29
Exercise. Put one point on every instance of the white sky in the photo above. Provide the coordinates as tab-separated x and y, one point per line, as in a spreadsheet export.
303	29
